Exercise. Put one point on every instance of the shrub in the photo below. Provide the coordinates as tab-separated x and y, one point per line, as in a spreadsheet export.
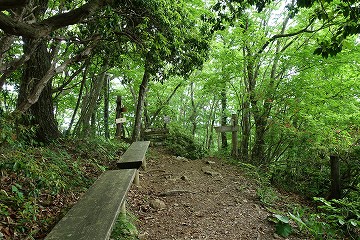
184	145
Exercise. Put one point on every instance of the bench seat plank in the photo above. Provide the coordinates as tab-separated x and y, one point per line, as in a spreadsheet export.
94	215
134	155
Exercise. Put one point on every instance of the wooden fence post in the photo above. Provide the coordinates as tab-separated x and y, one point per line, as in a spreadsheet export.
118	115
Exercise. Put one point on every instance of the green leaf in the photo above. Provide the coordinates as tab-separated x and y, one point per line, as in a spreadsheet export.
341	221
282	219
283	229
297	219
14	188
353	222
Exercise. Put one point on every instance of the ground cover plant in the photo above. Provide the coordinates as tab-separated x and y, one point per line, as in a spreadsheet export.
40	183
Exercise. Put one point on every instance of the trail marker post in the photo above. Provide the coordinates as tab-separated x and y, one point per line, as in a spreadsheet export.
233	128
119	117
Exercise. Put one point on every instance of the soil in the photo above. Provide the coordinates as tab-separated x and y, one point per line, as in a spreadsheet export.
198	199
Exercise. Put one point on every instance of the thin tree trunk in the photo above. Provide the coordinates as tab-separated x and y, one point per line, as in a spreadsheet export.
90	103
87	64
140	104
211	123
194	113
106	108
224	143
245	125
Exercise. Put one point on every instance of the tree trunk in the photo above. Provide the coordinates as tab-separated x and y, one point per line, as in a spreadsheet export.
89	104
42	111
224	143
194	113
245	127
147	122
140	105
106	108
210	124
234	136
83	82
258	150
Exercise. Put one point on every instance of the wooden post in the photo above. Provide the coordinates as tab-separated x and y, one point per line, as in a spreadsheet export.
123	208
143	165
234	123
335	178
136	179
118	115
219	141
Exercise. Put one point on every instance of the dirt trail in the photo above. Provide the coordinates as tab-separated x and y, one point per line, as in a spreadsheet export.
197	199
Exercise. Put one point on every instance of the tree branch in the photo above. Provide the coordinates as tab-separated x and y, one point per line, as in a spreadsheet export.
15	64
45	27
283	35
35	94
11	4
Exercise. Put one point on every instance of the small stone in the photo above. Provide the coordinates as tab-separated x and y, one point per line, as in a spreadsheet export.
208	170
210	162
185	178
157	204
276	236
184	159
143	235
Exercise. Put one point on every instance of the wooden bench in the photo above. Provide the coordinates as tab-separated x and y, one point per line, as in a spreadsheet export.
94	215
134	158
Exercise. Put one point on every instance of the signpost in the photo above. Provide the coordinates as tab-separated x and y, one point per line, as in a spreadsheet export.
120	120
233	128
119	117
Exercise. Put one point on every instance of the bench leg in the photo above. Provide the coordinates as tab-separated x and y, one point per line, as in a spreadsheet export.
123	208
136	179
144	164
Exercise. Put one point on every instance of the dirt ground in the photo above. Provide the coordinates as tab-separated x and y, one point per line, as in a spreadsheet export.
197	199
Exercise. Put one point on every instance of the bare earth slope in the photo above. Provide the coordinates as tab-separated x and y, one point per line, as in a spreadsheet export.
197	199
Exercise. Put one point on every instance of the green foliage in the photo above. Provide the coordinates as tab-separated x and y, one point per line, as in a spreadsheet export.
265	191
283	228
334	219
341	214
125	228
37	181
13	133
184	145
267	195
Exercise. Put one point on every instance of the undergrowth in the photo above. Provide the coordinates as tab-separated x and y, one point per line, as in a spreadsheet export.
184	145
38	184
125	228
326	219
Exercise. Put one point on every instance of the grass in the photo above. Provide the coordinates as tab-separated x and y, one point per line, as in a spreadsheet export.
125	228
39	183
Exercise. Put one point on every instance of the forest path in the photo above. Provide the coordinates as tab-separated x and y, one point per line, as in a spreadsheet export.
197	199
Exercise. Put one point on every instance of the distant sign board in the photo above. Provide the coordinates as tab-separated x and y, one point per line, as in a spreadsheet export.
120	120
166	119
